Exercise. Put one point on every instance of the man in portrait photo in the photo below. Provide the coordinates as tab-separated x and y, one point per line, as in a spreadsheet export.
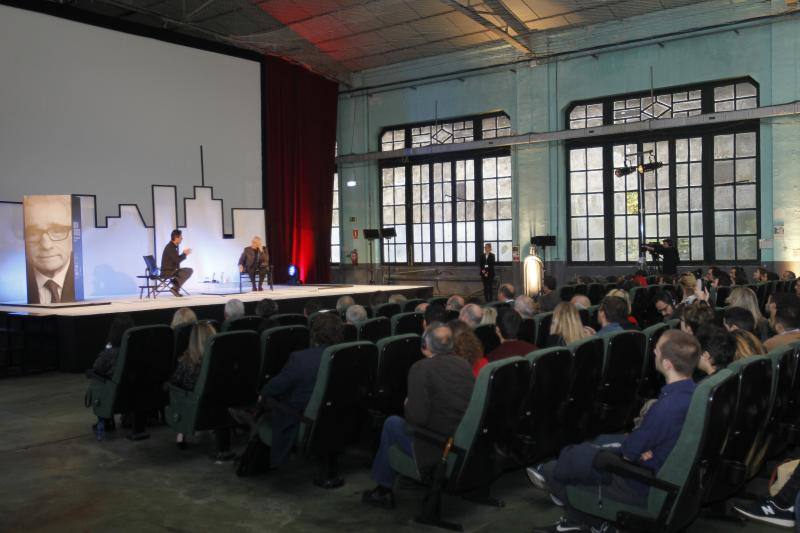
48	249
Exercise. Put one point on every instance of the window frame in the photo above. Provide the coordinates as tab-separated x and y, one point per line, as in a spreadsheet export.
450	158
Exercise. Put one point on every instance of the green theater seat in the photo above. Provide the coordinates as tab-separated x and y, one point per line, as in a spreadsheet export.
277	344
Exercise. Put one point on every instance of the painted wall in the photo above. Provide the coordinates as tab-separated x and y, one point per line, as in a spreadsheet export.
536	95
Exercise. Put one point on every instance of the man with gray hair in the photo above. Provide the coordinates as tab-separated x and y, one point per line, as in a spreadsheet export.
524	305
421	307
233	309
454	303
472	315
439	389
343	303
398	299
356	314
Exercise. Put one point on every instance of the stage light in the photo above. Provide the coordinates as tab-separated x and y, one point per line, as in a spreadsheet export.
292	271
624	171
649	167
532	273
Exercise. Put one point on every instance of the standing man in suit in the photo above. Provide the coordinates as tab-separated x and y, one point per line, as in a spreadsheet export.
669	254
255	260
171	262
486	262
48	249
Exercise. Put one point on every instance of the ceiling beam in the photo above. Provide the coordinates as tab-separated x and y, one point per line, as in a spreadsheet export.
499	32
501	10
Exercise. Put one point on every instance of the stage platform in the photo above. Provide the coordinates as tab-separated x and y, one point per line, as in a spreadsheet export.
68	338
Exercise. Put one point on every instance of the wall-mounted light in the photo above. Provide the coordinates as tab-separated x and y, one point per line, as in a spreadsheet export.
351	183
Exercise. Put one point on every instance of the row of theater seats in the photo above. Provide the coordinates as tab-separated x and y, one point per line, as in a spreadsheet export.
522	410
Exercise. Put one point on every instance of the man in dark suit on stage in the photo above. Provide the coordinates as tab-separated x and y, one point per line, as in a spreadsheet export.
171	262
486	262
48	250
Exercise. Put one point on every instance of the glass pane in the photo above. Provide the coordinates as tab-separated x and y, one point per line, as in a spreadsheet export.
504	166
746	222
683	223
724	248
746	247
723	171
723	93
594	158
596	228
682	175
697	249
489	167
577	159
489	189
595	202
620	250
697	223
723	223
683	249
723	146
504	188
578	202
745	144
594	181
746	196
695	199
746	169
597	251
695	174
579	250
723	197
579	228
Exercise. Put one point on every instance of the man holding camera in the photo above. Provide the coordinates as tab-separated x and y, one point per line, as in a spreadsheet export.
668	253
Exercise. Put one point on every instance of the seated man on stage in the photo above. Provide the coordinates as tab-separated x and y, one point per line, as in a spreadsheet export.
255	260
171	263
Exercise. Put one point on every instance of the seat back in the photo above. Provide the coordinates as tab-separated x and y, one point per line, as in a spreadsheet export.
388	310
566	292
596	292
751	416
287	319
374	329
580	288
228	377
144	363
527	330
783	375
438	300
489	421
277	344
346	374
241	323
538	429
410	322
350	333
721	297
693	460
410	305
488	337
651	382
575	414
151	265
395	356
640	304
451	314
543	321
622	371
499	305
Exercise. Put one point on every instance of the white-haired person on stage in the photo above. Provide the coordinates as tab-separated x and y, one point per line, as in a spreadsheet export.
254	261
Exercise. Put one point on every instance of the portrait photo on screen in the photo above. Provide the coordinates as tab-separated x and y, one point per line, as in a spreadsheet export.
49	252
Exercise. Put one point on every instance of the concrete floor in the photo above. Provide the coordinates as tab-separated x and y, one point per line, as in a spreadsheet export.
54	476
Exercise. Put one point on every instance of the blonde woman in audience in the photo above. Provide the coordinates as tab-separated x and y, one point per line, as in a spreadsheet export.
489	315
566	326
688	285
182	317
747	345
746	298
188	368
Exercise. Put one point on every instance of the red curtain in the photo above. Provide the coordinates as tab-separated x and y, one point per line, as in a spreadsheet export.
298	183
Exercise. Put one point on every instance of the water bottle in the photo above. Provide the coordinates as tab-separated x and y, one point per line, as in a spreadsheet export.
100	430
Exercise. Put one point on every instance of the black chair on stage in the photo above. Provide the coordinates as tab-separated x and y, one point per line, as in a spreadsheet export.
155	281
244	277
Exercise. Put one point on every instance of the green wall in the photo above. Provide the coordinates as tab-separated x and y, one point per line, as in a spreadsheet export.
536	95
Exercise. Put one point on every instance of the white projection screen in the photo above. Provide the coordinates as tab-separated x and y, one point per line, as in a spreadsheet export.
89	110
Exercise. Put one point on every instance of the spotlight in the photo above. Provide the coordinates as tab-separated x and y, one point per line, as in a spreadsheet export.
649	167
292	271
624	171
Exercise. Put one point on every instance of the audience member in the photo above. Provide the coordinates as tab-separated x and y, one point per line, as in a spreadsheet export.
343	303
356	314
505	293
581	301
676	356
525	306
745	297
747	344
439	389
489	316
738	318
788	275
311	307
467	345
421	307
549	298
398	299
786	322
566	326
640	278
718	348
738	275
434	313
266	308
630	322
183	317
188	367
454	303
779	510
234	308
665	305
104	363
720	279
760	275
688	286
507	327
471	314
695	315
612	311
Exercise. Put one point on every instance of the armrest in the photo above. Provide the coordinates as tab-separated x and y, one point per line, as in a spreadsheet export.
91	374
171	387
434	437
616	464
272	403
